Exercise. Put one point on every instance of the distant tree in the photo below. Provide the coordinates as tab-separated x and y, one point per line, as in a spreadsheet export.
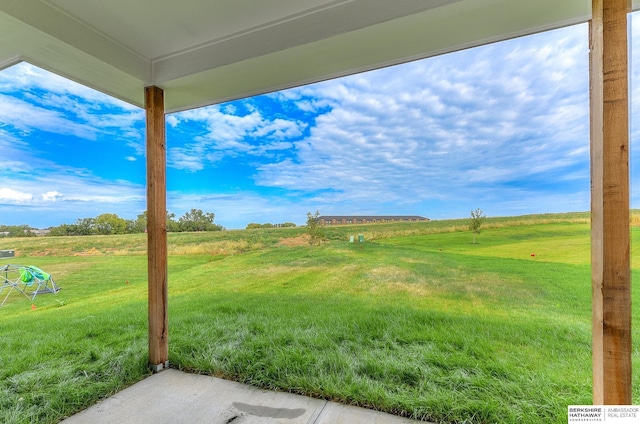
63	230
314	230
16	231
288	225
139	225
475	222
173	226
110	223
82	227
131	226
197	220
85	226
253	226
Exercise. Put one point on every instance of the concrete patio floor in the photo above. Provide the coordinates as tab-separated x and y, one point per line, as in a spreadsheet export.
174	397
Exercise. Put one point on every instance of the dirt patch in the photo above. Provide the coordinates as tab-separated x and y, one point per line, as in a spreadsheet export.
91	252
301	240
46	252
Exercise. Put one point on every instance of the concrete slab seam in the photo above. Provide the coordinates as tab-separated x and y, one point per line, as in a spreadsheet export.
326	402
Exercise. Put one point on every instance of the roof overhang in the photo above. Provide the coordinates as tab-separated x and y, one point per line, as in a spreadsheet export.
202	52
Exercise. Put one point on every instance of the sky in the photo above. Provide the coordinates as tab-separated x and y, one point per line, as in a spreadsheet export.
503	128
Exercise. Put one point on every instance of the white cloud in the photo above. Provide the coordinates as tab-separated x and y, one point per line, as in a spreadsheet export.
51	196
228	133
24	116
40	192
464	125
54	104
172	120
184	159
24	77
14	196
78	197
67	186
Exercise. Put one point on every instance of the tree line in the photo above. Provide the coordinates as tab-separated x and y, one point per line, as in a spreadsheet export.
16	231
111	223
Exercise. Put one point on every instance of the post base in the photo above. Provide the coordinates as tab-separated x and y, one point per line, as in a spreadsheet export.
159	367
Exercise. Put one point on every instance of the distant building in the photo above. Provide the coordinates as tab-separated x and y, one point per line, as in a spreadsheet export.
375	219
40	232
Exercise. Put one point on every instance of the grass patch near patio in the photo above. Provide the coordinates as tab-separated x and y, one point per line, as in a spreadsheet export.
428	334
417	322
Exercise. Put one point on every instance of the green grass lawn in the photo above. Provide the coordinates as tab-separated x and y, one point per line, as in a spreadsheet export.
418	322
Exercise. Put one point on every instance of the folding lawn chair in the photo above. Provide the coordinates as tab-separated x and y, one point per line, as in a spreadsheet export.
23	279
10	281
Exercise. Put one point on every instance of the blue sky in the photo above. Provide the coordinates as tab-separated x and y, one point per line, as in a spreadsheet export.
503	127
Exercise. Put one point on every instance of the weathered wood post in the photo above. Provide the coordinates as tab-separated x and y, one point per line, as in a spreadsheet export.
611	275
157	229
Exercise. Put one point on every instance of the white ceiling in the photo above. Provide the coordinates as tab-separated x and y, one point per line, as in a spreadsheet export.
170	28
204	51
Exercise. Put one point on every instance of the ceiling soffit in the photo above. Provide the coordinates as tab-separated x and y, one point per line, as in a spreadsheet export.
293	31
158	41
451	27
203	52
164	28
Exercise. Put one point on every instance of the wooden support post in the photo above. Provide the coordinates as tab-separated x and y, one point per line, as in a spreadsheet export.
157	229
610	257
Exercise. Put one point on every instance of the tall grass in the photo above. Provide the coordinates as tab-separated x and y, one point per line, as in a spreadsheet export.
417	321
